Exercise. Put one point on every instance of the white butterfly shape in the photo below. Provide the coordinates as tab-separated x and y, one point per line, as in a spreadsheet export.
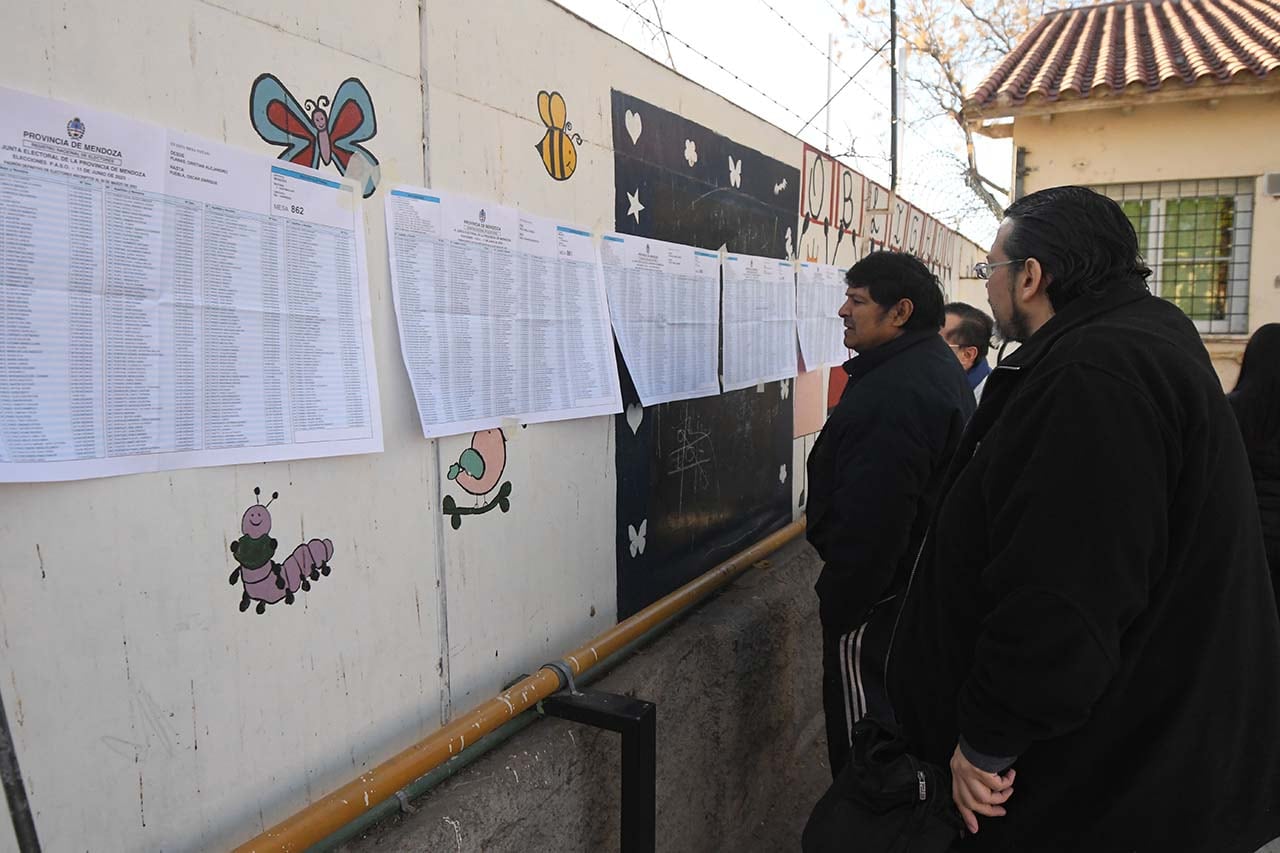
690	152
784	387
637	537
735	172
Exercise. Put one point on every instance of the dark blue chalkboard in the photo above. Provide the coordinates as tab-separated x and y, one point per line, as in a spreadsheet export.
698	480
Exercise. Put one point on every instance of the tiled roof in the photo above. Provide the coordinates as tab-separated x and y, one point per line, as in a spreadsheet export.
1135	47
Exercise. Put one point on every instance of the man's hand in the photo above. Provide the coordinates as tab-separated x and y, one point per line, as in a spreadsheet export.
977	792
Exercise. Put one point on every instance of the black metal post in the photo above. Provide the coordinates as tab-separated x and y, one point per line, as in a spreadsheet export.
893	96
637	722
24	827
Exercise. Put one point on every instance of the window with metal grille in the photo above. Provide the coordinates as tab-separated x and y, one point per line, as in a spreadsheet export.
1195	236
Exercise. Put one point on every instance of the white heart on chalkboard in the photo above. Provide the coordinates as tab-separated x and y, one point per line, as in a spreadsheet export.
634	126
635	414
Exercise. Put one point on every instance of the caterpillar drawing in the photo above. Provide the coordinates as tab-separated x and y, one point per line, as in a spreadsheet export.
265	580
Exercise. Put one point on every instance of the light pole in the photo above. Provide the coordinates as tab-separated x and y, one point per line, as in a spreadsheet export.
893	96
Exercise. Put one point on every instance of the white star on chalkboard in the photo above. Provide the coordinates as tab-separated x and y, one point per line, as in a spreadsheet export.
636	206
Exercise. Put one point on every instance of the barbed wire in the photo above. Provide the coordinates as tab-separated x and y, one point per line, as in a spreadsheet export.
928	145
690	47
908	126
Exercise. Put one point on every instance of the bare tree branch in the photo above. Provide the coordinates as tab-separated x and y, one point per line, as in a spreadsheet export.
1006	40
955	43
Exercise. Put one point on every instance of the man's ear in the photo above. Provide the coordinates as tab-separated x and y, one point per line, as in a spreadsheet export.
900	313
1036	281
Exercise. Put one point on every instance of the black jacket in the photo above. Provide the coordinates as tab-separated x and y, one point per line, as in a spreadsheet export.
877	466
1264	460
1094	598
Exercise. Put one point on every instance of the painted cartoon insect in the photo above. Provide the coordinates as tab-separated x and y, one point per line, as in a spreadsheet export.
265	580
321	132
478	470
557	146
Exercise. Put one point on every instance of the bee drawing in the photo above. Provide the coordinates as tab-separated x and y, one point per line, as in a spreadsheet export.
557	147
266	581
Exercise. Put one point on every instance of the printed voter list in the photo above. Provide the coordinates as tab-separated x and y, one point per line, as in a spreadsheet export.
502	314
759	320
173	302
664	300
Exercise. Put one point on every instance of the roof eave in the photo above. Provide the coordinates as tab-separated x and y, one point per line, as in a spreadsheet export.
980	118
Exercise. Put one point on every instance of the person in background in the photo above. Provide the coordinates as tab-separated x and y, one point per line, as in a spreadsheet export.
1256	401
967	331
874	474
1093	612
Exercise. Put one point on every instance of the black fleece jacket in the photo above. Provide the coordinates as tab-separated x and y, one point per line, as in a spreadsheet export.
1264	459
877	467
1093	598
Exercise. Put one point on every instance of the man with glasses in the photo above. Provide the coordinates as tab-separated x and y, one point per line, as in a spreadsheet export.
874	474
1092	611
968	332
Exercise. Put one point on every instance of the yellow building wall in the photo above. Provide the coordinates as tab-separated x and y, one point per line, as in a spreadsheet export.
1239	137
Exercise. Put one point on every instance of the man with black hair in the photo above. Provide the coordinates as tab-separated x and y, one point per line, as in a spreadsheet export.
874	473
1093	610
967	331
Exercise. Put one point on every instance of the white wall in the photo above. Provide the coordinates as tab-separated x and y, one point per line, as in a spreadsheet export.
148	712
552	563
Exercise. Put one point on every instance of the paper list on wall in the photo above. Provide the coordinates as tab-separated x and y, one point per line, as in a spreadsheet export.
819	294
759	306
664	302
170	302
502	315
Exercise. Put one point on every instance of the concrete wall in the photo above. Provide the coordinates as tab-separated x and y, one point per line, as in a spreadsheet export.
741	743
1229	138
147	711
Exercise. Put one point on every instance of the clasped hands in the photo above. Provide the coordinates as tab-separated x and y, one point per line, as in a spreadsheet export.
977	792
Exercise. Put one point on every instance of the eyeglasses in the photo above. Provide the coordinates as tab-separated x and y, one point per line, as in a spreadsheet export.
983	270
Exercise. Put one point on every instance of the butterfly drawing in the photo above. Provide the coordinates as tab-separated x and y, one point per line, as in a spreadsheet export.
637	537
735	172
320	132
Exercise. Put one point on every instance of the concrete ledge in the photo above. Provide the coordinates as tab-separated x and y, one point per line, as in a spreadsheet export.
741	749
